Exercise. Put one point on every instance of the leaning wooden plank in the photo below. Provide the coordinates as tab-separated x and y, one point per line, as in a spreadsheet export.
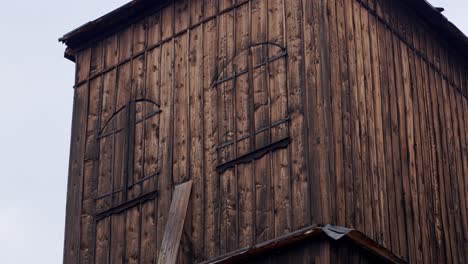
175	223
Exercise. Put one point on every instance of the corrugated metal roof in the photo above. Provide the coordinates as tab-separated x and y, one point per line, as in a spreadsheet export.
138	8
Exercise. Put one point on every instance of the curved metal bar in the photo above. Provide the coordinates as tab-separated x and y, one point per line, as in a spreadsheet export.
122	108
110	119
146	100
215	80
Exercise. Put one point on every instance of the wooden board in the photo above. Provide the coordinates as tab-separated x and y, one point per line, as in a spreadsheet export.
175	223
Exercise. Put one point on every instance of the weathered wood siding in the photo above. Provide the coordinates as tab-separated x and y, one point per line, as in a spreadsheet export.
283	113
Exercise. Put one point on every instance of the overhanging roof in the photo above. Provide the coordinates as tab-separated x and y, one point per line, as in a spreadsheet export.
138	8
313	232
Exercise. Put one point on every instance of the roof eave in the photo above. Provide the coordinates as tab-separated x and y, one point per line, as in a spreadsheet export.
312	232
138	8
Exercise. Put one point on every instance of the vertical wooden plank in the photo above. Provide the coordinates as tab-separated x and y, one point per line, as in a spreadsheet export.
77	148
152	151
278	96
125	43
378	169
91	167
432	158
264	226
462	157
445	179
367	126
211	209
91	158
148	211
228	228
105	174
224	4
210	8
154	28
148	232
259	56
420	153
463	119
344	139
351	129
164	157
244	171
444	255
117	238
138	92
400	239
246	205
281	185
182	15
111	51
380	72
326	166
167	22
373	109
102	241
389	126
336	160
132	230
431	196
83	65
311	60
196	11
449	146
97	58
330	89
181	131
458	182
106	147
228	180
259	112
139	35
360	122
408	161
295	84
122	158
196	138
402	175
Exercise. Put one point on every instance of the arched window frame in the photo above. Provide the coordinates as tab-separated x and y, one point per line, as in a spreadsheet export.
110	128
255	151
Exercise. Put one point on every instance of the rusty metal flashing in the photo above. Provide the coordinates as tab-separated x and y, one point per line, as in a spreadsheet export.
136	9
312	232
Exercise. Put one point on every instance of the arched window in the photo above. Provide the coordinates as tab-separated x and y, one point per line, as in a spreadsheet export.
119	180
252	104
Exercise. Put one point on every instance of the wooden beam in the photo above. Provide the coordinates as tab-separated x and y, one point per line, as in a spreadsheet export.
175	224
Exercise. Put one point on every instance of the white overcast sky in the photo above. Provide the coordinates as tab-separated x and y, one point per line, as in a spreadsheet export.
35	118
